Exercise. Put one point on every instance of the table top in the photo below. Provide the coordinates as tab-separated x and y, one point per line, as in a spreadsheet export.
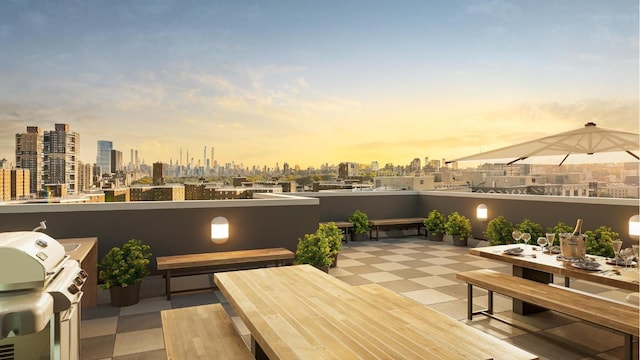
299	312
616	276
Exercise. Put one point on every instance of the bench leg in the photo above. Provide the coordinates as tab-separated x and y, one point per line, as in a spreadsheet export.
567	281
167	277
469	302
628	346
257	351
490	302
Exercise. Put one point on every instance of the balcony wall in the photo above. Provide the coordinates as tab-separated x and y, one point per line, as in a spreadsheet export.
278	220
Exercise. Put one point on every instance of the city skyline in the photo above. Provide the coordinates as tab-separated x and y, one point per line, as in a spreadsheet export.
314	83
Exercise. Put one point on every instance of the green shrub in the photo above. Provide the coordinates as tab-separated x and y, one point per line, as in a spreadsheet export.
125	266
333	235
360	222
599	241
314	249
499	231
528	226
435	222
458	225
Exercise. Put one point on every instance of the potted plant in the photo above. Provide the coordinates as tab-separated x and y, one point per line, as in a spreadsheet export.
361	226
434	223
600	241
122	270
499	231
459	227
315	250
334	236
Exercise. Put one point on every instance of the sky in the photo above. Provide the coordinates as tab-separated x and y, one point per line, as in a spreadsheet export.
313	82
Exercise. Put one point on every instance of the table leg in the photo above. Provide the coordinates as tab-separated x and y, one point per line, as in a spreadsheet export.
167	277
257	351
521	307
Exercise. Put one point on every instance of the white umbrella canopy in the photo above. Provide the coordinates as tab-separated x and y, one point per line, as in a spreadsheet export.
587	140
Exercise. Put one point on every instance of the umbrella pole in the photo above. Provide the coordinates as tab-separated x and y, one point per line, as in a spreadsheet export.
565	158
632	154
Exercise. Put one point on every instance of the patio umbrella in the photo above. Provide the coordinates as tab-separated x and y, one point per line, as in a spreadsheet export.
587	140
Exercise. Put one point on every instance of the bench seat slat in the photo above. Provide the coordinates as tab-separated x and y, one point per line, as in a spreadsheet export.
202	332
597	310
222	258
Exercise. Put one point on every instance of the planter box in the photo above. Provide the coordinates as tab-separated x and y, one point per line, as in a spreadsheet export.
435	236
458	241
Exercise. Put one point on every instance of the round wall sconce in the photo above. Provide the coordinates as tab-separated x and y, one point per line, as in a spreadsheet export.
482	212
219	230
634	226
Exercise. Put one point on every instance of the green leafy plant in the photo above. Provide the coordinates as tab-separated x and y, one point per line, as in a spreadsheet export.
314	249
360	222
599	241
458	225
499	231
528	226
558	229
435	222
333	235
125	266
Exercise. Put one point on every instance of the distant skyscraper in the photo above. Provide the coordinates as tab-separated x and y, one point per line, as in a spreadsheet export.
103	159
30	155
158	173
84	177
116	161
61	151
5	184
19	184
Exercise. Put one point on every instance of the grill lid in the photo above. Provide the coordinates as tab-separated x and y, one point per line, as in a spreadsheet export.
28	259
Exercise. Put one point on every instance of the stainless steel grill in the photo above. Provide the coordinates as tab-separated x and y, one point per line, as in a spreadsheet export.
40	291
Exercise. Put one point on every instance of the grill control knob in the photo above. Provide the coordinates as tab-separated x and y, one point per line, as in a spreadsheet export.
78	281
73	289
83	274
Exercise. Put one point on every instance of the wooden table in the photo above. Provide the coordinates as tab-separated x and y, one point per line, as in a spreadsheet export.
299	312
543	266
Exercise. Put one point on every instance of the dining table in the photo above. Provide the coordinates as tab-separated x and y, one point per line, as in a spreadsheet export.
300	312
535	264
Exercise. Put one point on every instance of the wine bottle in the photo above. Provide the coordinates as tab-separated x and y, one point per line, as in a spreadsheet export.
578	230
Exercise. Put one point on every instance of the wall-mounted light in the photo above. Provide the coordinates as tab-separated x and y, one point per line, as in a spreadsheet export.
219	230
482	212
634	226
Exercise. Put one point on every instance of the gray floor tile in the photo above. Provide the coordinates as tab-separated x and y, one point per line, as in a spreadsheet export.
139	322
147	355
99	347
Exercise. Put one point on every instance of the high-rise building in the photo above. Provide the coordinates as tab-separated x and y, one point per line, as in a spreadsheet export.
61	150
116	161
19	184
103	159
5	184
30	155
84	177
158	173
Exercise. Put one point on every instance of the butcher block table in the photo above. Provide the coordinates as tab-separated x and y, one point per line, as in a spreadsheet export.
300	312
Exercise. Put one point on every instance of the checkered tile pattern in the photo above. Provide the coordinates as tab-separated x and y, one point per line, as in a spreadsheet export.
412	266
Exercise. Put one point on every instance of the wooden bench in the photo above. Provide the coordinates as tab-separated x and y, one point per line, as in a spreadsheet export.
202	332
207	260
344	226
604	312
400	223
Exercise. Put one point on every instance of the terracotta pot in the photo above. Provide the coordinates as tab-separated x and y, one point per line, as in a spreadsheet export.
125	296
458	241
335	261
435	236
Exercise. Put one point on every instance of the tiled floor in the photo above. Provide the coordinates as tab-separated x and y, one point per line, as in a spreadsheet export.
421	270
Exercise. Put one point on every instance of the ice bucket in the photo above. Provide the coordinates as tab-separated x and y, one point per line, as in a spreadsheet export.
573	246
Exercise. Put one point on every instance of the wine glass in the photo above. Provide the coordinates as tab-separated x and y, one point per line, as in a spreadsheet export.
526	237
636	251
517	235
542	241
626	256
617	245
550	238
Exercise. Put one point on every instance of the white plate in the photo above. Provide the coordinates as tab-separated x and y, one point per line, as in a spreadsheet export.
586	265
